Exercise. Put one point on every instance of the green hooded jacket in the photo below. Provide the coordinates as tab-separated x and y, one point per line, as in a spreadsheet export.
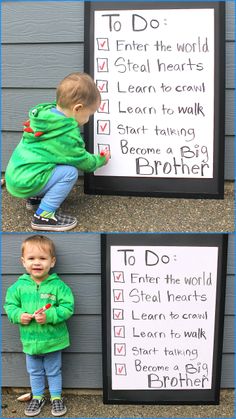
49	139
26	296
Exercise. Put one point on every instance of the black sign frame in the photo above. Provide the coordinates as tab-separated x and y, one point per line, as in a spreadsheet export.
192	396
161	186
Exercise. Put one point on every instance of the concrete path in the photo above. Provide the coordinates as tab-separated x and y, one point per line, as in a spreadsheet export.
114	213
91	406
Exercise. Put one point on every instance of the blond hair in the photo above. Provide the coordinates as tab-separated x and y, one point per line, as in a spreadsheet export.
41	241
77	88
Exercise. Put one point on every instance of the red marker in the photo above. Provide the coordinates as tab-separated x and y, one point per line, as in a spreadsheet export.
41	310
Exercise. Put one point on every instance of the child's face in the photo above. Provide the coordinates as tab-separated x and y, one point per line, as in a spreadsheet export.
37	262
82	113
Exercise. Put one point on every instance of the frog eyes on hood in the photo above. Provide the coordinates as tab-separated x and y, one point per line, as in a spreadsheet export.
34	112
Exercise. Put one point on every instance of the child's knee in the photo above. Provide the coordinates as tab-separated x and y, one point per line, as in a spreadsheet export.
73	173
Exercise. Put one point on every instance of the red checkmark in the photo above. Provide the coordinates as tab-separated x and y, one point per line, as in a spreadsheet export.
103	127
118	314
118	296
120	369
120	349
118	275
102	106
101	87
101	66
118	333
102	44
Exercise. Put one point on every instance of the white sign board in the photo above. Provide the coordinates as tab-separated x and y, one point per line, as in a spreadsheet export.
154	71
159	69
163	316
163	308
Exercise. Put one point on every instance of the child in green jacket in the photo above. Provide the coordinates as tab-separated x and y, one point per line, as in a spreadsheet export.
44	166
43	334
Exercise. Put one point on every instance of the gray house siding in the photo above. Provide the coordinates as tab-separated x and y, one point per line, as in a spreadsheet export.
79	265
44	41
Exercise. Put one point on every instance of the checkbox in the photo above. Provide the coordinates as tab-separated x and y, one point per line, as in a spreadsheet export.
119	331
103	127
102	86
118	296
103	44
119	349
120	369
104	106
118	276
118	314
102	65
104	148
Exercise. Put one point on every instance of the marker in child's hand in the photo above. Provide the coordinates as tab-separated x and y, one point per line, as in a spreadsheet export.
41	310
105	153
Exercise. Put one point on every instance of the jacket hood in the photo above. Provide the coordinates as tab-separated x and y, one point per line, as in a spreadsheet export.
46	124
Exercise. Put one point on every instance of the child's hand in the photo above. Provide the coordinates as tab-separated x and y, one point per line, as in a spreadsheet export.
40	318
25	318
106	153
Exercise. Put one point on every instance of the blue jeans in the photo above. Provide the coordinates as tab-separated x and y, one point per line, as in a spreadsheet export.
41	366
58	187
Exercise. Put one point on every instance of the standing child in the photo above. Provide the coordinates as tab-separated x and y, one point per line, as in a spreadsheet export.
44	334
44	166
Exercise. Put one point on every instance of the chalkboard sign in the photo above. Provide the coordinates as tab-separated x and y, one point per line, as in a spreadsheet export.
159	67
163	308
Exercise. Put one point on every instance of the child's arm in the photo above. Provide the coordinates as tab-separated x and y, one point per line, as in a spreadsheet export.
77	155
12	306
64	308
88	162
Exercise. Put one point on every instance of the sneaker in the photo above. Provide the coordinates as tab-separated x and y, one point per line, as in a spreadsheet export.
32	204
58	407
60	222
34	407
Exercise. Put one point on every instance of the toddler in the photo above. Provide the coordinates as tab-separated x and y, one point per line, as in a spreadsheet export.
43	333
44	166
